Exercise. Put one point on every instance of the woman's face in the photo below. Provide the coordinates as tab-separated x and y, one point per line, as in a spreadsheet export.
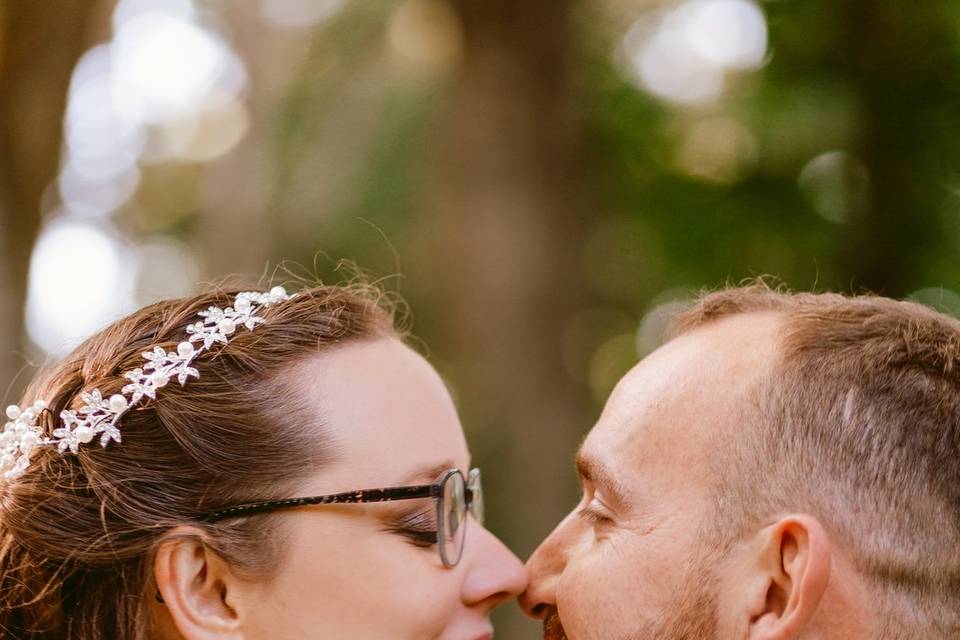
363	570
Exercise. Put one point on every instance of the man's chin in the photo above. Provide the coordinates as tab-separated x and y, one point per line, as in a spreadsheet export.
552	629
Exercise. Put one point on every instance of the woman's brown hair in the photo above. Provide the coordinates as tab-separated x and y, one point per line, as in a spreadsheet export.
78	533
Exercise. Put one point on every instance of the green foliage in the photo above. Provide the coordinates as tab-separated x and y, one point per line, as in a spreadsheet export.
874	80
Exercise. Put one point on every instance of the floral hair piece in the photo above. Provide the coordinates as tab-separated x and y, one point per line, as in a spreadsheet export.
99	416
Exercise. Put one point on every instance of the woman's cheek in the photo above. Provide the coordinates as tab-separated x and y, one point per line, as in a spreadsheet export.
424	600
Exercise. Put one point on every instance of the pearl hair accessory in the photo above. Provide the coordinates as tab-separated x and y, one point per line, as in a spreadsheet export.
99	416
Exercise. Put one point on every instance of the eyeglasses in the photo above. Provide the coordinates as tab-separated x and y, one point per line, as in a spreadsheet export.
455	498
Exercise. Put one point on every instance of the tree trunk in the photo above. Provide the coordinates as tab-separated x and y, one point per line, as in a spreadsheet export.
507	205
904	100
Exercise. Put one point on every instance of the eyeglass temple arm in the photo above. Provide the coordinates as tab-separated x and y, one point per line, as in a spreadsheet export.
349	497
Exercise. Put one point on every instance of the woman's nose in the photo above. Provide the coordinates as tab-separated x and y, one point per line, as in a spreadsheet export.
494	573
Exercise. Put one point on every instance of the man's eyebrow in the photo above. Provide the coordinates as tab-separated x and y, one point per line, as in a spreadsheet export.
594	471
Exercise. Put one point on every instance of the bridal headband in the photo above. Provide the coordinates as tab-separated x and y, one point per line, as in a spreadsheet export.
99	416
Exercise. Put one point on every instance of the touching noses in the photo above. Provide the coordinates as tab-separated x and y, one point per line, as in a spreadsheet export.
494	574
544	568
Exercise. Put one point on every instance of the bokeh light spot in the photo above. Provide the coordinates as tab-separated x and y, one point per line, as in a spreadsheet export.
684	55
729	33
86	196
165	65
943	300
126	10
609	363
653	326
298	14
837	184
100	141
80	279
165	268
717	149
425	34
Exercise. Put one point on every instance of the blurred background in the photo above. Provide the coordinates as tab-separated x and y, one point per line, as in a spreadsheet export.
543	180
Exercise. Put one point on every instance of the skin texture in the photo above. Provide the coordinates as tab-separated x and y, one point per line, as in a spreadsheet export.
345	574
641	555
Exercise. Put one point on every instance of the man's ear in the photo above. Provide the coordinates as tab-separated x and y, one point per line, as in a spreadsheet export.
197	592
789	577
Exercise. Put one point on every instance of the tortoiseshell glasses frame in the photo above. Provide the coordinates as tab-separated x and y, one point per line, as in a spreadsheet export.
454	495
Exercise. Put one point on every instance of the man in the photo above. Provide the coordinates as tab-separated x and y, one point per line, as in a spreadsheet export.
786	467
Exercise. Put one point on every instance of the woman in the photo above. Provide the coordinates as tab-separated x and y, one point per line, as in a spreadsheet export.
243	465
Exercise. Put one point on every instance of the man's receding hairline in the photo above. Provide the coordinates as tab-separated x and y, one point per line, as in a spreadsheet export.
681	326
776	323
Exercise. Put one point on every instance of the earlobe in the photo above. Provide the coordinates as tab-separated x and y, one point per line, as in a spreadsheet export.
793	571
196	588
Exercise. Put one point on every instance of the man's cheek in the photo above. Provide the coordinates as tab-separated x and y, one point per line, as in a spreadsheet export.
587	600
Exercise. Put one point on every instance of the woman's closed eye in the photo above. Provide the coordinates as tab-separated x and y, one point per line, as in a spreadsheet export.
419	527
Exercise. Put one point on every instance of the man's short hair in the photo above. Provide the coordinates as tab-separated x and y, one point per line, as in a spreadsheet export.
859	425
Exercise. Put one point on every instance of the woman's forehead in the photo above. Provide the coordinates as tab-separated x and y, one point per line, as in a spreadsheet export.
387	409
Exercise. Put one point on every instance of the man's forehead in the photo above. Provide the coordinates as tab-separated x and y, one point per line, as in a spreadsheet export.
676	397
716	356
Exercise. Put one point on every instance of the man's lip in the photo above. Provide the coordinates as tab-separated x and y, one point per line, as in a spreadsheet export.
486	635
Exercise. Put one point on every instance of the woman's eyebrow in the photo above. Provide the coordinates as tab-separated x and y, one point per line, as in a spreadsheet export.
592	470
428	473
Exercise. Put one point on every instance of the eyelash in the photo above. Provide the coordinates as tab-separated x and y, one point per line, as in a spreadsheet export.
418	528
594	517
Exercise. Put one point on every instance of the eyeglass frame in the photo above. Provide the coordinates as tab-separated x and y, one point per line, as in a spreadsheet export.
472	496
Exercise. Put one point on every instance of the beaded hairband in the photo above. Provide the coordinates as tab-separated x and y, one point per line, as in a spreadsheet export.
99	415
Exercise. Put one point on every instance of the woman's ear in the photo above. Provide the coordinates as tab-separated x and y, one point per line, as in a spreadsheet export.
197	592
789	577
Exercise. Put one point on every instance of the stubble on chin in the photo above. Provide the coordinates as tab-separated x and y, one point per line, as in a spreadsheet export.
552	629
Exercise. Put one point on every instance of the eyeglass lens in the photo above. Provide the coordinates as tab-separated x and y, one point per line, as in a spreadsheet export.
453	519
453	509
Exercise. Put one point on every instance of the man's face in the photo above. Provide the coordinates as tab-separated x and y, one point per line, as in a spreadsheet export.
637	557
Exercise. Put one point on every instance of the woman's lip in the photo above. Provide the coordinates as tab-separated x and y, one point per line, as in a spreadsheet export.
486	635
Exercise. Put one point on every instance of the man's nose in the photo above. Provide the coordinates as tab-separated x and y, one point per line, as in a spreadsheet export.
544	567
